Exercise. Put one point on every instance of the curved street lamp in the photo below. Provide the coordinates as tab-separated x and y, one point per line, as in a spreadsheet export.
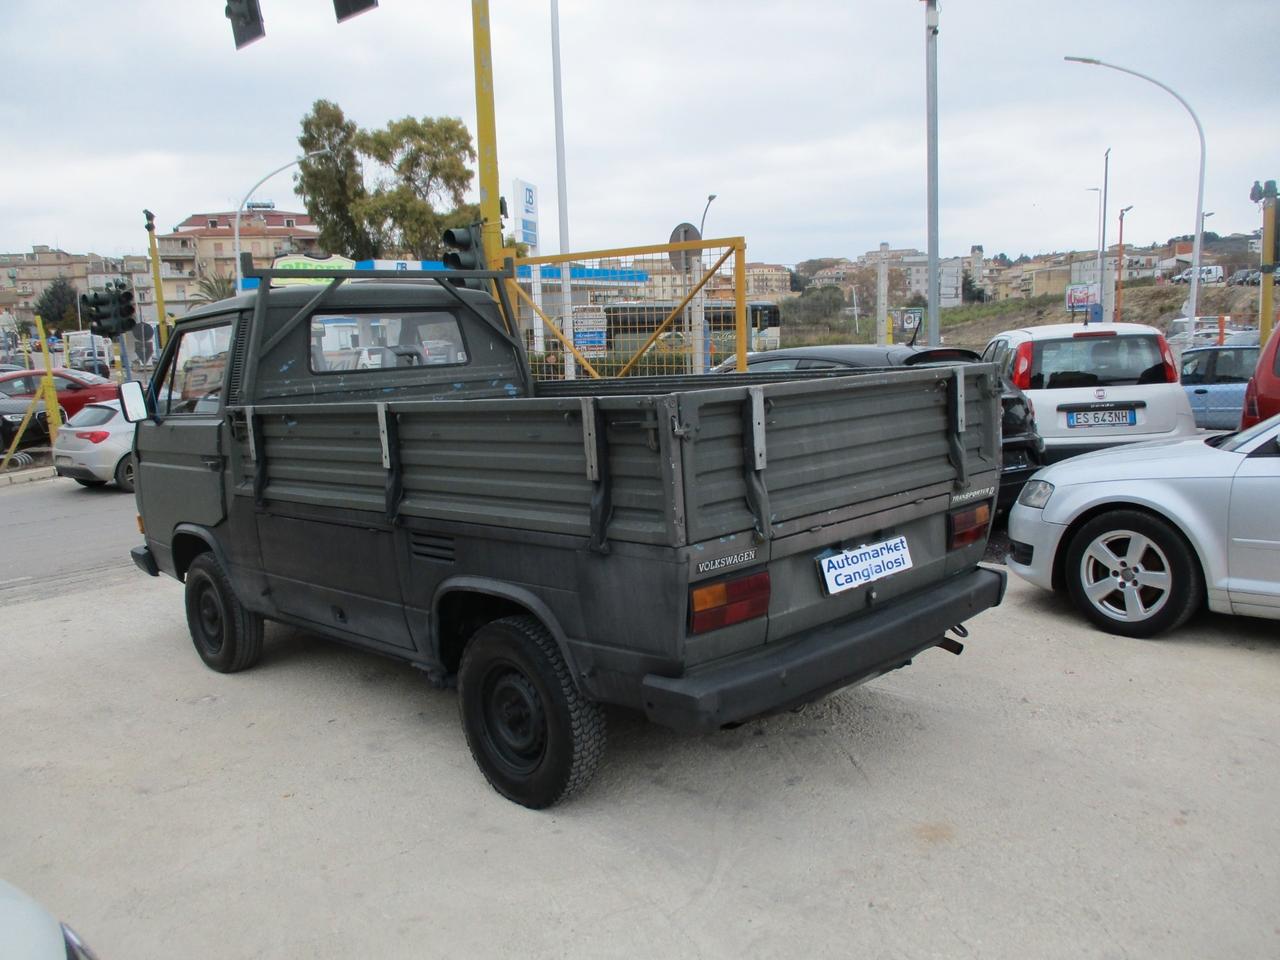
703	222
1195	248
239	209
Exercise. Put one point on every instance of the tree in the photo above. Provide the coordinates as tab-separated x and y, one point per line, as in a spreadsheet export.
388	190
970	292
57	304
333	183
212	288
814	305
798	281
807	268
917	300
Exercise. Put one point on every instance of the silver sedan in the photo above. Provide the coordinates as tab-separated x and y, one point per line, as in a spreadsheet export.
1143	536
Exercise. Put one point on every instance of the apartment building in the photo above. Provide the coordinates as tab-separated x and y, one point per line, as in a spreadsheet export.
204	245
25	276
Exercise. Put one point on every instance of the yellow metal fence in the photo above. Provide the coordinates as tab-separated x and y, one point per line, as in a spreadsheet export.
672	308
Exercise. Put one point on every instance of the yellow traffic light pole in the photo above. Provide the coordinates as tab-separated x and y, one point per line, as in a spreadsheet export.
161	320
486	137
46	386
1267	307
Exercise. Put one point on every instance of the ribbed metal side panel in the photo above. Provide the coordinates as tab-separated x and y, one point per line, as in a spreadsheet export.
640	499
826	448
430	546
522	466
324	457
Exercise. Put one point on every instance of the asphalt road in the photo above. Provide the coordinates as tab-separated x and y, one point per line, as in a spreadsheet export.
1054	792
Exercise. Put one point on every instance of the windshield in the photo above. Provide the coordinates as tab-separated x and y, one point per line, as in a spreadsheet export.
1097	362
1232	442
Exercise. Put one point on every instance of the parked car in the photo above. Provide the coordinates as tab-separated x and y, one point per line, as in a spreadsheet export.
74	388
1022	450
1239	278
1214	379
29	932
1262	393
1142	537
1095	386
96	447
11	413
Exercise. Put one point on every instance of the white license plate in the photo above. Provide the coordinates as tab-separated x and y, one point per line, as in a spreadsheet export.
62	460
862	565
1102	418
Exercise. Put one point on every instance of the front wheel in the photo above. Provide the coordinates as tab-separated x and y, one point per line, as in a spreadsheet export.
1133	574
124	473
536	739
226	634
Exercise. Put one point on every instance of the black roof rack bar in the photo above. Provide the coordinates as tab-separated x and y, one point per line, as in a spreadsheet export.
266	273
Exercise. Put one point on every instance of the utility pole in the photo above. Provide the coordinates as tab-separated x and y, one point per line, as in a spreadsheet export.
1102	239
882	296
931	111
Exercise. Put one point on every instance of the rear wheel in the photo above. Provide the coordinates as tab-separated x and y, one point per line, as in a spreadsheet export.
1133	574
226	634
536	739
124	473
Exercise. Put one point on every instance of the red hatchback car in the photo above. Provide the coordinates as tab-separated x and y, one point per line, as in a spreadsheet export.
75	388
1262	395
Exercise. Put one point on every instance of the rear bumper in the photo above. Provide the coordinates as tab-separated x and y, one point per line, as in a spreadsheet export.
827	658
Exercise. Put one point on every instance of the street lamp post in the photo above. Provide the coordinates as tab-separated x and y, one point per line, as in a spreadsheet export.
236	245
1102	237
1120	263
1199	229
1098	191
703	222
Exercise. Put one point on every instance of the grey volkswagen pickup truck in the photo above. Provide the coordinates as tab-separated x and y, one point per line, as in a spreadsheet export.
700	549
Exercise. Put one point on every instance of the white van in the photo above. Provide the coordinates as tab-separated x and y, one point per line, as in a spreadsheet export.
1212	274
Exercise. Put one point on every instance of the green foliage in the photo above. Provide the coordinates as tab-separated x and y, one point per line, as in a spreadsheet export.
814	305
916	300
970	292
952	316
387	191
212	288
57	304
798	281
807	268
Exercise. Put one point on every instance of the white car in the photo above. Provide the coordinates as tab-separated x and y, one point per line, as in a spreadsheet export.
1142	537
1095	386
96	447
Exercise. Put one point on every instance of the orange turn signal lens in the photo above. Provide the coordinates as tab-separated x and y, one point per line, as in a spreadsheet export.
968	525
728	602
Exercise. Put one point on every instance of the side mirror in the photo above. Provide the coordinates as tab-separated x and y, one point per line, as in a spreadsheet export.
133	401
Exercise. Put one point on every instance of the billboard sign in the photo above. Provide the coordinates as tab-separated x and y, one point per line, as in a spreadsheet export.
526	213
298	261
1080	296
590	332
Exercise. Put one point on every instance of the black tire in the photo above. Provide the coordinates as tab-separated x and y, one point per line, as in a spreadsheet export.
1154	577
536	739
124	473
226	634
91	483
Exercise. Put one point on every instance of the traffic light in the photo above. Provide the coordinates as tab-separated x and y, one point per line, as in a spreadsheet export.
99	310
466	253
246	22
126	313
345	9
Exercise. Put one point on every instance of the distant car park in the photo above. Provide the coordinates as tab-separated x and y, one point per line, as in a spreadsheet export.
1214	379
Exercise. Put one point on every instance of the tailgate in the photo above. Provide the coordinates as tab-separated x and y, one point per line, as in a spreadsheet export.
845	484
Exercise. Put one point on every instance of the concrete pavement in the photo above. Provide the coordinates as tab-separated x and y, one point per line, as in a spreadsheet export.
1054	792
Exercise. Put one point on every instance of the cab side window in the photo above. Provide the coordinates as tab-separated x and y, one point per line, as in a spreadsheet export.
192	381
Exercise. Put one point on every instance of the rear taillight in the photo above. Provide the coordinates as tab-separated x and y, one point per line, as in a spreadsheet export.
717	605
1170	368
1250	414
1022	366
968	525
93	436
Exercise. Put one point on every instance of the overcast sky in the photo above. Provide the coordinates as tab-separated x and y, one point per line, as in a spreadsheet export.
807	119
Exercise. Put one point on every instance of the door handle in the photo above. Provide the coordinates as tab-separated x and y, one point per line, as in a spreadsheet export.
213	463
1200	390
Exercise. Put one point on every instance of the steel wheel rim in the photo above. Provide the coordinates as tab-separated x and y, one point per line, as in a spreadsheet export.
209	618
1125	576
513	718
